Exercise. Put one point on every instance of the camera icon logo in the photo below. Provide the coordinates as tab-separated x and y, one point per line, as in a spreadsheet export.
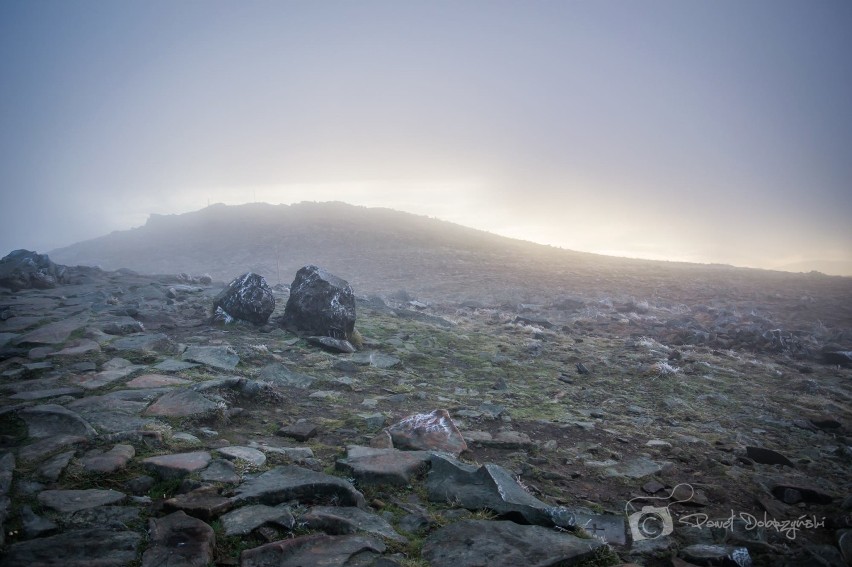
650	522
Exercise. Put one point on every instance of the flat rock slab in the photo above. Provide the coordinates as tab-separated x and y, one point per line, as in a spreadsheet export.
172	365
428	431
299	431
291	482
178	540
339	520
473	543
374	359
324	550
247	454
280	375
46	394
84	346
14	324
701	554
109	462
54	333
122	326
243	521
221	357
69	501
383	466
40	449
156	381
49	420
154	342
220	470
182	403
203	503
109	374
177	465
76	548
489	487
637	468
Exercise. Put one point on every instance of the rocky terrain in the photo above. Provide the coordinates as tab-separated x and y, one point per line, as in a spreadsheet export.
610	414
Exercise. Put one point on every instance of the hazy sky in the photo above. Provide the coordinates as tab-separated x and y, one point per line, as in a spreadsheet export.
712	131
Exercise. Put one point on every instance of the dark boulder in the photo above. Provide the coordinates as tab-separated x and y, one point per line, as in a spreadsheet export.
320	304
247	297
23	269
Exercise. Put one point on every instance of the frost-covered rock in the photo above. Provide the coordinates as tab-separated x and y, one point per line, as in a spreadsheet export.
23	269
247	297
320	304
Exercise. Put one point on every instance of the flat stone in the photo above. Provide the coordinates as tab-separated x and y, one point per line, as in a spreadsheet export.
112	517
19	323
279	375
52	468
292	482
48	393
247	454
68	501
221	357
489	487
156	381
178	540
40	449
508	440
182	403
243	521
428	431
473	543
172	365
337	520
639	467
49	420
317	549
220	470
76	548
301	431
122	326
113	370
109	462
372	466
332	344
767	456
155	342
54	333
204	503
35	525
113	413
716	555
374	359
84	346
177	465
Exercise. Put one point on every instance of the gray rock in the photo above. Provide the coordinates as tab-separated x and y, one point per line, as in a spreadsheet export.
122	326
292	482
76	548
48	393
320	304
243	521
154	342
54	333
35	525
109	462
375	359
220	470
221	357
428	431
40	449
371	466
247	454
177	465
279	375
178	540
300	431
112	517
248	297
639	467
172	365
7	471
337	520
473	543
489	487
702	554
332	344
52	468
23	269
68	501
49	420
318	549
767	456
182	403
204	503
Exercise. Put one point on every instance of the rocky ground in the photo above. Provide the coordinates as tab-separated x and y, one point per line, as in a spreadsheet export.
135	432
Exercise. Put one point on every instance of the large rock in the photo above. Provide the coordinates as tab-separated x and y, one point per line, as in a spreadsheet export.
320	304
472	543
433	431
76	548
319	550
178	540
23	269
490	487
368	465
247	297
286	483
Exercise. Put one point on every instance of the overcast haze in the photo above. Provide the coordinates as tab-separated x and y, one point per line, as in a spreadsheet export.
702	131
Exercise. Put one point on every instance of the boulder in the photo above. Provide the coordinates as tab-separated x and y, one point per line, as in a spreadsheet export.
320	304
428	431
23	269
248	297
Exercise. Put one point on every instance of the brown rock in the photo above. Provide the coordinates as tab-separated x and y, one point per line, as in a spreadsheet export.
428	431
178	540
111	461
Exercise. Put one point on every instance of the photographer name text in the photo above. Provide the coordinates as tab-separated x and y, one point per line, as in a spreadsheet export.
787	527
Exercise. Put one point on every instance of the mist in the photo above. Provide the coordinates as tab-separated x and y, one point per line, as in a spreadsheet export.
704	132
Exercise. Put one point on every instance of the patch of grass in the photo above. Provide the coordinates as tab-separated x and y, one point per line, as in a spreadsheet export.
603	556
165	488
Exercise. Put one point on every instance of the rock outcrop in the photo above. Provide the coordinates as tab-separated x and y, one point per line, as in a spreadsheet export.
23	269
248	298
320	304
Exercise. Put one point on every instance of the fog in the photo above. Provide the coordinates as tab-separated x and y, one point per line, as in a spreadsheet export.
698	131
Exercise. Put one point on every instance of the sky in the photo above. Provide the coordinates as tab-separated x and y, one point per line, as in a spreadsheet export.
706	131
